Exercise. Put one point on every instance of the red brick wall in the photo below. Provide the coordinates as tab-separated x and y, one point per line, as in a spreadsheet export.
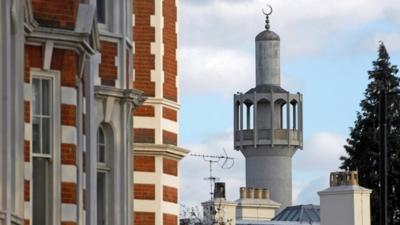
144	191
170	114
144	218
68	154
27	151
144	163
27	112
68	115
170	65
141	135
65	61
169	219
170	194
33	58
27	191
68	193
143	35
144	110
170	138
108	70
68	223
170	167
56	13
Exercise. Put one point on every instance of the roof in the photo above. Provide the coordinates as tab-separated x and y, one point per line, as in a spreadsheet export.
267	203
267	35
344	189
292	215
299	213
266	88
244	222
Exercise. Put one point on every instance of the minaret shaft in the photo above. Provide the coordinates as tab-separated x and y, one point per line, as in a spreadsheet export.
268	63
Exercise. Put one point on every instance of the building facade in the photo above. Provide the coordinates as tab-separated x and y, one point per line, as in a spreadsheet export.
156	126
67	100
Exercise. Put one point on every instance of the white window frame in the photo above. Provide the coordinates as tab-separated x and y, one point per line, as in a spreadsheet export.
54	216
106	168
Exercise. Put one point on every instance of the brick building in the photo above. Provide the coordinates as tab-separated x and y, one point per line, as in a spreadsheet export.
72	74
156	128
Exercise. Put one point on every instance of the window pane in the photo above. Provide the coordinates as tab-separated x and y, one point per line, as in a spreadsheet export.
46	142
36	96
101	198
100	136
36	135
101	11
101	151
101	154
46	97
40	191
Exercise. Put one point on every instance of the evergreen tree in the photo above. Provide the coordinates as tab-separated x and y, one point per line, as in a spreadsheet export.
363	144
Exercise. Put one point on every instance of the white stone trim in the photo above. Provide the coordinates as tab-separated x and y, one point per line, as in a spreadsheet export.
170	208
145	205
157	48
69	135
171	181
68	96
145	177
68	173
28	132
68	212
27	92
28	170
28	210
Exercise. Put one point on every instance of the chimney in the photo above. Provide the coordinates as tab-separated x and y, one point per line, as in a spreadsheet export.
219	190
345	202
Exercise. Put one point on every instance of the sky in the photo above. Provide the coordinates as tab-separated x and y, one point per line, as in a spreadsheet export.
327	47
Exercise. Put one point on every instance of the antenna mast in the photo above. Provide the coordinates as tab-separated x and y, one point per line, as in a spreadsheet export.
227	163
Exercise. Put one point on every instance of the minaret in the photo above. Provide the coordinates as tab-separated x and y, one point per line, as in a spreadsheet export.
268	125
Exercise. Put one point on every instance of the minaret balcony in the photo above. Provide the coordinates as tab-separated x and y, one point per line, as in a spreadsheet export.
251	137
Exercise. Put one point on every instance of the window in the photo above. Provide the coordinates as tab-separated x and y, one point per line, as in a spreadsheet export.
101	11
103	176
42	142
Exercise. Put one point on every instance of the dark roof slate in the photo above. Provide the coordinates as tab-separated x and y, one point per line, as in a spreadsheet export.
299	213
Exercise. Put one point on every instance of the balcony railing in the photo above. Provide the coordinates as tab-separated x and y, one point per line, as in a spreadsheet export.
281	136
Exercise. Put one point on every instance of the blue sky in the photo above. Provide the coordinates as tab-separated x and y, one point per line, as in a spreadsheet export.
327	49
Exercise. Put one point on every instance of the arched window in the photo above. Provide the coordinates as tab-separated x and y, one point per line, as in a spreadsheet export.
295	115
103	176
247	117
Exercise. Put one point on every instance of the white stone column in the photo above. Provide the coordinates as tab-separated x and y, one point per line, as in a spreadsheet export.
12	112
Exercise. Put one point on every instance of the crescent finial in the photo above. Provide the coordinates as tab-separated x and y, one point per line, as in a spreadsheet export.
269	10
267	14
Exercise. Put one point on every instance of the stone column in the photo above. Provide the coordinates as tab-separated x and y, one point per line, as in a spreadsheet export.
11	112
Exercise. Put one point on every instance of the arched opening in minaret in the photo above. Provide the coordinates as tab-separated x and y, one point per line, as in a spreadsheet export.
263	117
248	115
295	114
281	111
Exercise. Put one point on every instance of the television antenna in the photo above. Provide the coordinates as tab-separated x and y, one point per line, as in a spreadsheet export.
224	161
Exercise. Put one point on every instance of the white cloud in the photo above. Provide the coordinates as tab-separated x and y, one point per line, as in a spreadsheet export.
321	152
391	40
217	37
306	26
319	157
206	70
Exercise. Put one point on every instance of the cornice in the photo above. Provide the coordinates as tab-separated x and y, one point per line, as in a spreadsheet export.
160	150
